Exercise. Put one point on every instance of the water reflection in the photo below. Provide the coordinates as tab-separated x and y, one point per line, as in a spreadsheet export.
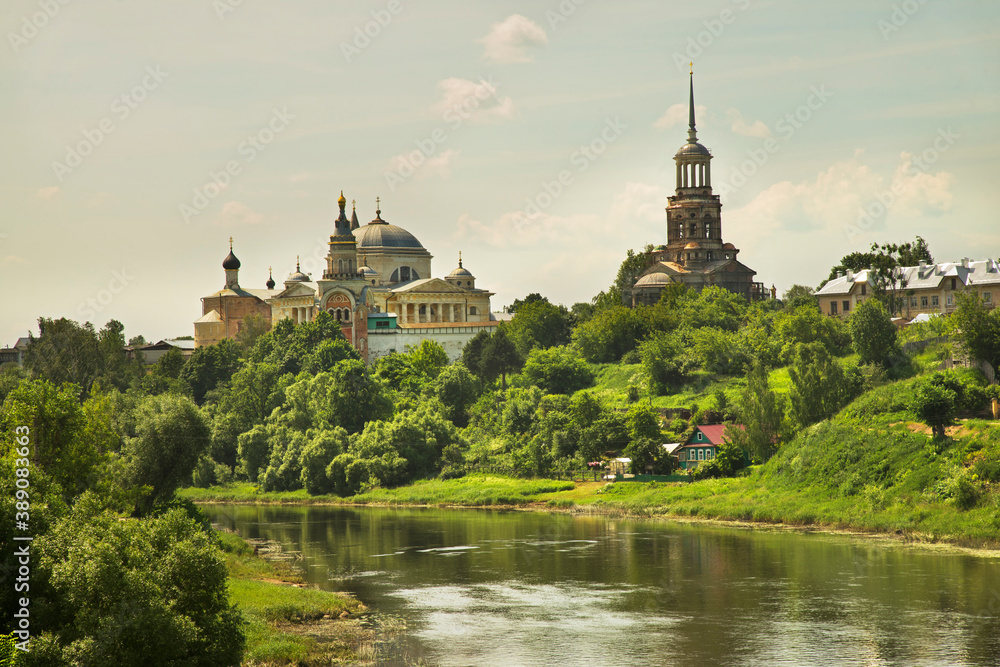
516	588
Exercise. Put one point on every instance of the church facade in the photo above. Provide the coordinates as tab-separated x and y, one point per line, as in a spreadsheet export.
695	253
377	283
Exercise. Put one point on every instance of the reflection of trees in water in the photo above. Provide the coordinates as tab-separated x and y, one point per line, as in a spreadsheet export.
730	594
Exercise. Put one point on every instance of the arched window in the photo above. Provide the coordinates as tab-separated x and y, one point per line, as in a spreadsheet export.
394	278
680	231
350	266
347	315
694	229
708	231
340	266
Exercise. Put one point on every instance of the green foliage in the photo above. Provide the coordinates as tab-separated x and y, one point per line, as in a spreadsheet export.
348	396
149	592
209	367
558	370
539	324
171	435
873	334
65	351
428	358
807	325
643	423
797	296
457	390
323	447
499	357
610	334
254	450
977	329
472	353
934	404
762	416
649	457
819	386
284	468
251	329
718	351
327	354
255	391
61	443
884	260
628	273
396	370
664	362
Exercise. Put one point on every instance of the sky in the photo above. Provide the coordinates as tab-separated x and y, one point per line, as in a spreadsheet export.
536	137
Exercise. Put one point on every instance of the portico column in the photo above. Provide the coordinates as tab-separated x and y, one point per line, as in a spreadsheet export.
678	174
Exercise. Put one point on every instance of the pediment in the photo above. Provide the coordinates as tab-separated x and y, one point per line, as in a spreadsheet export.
298	289
428	286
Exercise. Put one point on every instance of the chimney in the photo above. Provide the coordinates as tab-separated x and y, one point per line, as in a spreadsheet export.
840	274
850	276
965	262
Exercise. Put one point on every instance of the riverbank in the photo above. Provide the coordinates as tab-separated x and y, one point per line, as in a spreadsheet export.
291	623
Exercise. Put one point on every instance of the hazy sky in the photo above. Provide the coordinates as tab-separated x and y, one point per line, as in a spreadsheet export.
535	137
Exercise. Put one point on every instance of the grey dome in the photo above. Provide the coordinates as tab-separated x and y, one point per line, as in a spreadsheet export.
297	277
367	272
654	279
693	149
460	273
383	235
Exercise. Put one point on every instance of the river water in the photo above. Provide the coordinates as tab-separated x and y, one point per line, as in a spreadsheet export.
481	587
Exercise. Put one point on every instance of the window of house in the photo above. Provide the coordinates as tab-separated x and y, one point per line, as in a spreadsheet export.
923	301
699	435
935	301
864	289
423	310
953	283
701	454
847	306
833	307
949	299
473	310
988	297
913	301
708	454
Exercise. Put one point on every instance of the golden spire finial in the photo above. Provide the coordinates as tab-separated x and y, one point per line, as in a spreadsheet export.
691	64
459	259
354	205
378	204
297	269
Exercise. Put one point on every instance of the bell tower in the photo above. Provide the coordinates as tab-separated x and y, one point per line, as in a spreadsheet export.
342	259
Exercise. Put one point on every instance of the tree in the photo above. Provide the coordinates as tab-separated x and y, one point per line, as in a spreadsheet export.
977	329
328	354
322	449
65	351
396	370
539	324
663	361
254	393
171	434
761	414
348	396
428	358
629	271
610	334
472	353
885	262
558	370
934	404
457	390
643	422
150	592
499	357
210	366
253	327
819	386
800	295
872	333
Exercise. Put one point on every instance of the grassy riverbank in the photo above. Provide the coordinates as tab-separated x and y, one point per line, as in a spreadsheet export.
290	623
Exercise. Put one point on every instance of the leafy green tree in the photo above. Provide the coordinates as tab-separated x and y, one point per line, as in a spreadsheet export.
873	334
610	334
819	385
254	451
256	390
65	351
631	268
323	447
662	356
348	396
284	469
807	325
499	358
534	297
797	296
539	324
762	414
253	327
58	428
428	358
210	366
558	370
150	592
649	457
328	354
713	307
934	404
977	329
396	370
171	434
472	353
729	457
718	351
643	422
457	390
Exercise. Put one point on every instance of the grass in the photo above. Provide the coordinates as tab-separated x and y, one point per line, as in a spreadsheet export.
288	623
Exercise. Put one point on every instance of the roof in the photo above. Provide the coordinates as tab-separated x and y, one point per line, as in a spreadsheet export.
673	447
929	276
230	262
380	234
715	433
657	278
844	284
692	148
210	316
22	343
171	342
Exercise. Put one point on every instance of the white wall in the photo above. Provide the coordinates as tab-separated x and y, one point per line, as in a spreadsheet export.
452	339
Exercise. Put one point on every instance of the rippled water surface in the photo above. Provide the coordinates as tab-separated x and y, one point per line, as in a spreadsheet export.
483	587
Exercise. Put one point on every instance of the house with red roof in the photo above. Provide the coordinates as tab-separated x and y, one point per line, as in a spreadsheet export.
702	446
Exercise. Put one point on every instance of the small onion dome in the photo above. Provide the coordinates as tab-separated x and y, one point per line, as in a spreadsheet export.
694	245
342	202
728	246
654	279
660	247
230	263
270	279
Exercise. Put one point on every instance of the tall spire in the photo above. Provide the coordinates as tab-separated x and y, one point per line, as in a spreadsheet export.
692	134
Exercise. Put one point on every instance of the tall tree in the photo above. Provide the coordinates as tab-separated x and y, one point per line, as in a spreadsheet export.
977	329
762	415
500	357
872	333
819	387
539	324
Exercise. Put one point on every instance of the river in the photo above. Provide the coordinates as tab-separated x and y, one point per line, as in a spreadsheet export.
482	587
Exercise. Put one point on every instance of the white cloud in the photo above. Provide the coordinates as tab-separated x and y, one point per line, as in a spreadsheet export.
462	99
639	200
237	214
510	40
920	193
421	166
677	114
741	126
47	193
